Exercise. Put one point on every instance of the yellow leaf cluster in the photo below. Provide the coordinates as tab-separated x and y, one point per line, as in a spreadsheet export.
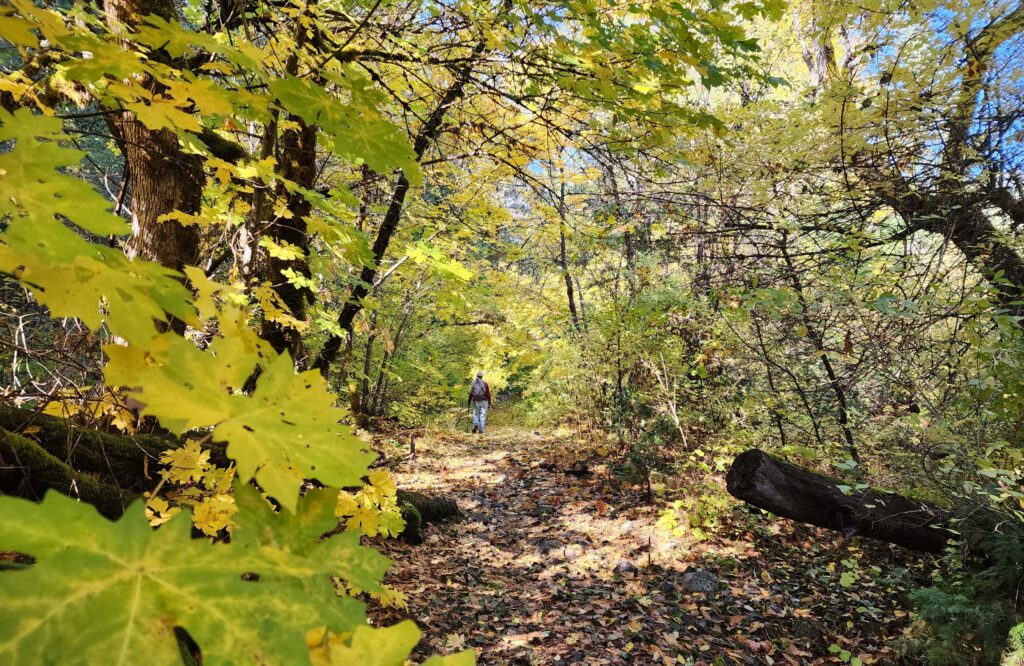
109	407
199	485
373	509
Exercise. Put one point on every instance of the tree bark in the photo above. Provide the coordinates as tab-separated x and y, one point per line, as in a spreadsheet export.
39	452
798	494
298	164
163	178
127	461
563	259
974	234
298	157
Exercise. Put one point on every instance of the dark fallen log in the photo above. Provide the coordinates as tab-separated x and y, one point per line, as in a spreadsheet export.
419	509
130	461
28	470
798	494
432	509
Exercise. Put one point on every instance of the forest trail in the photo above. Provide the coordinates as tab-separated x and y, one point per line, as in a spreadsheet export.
549	568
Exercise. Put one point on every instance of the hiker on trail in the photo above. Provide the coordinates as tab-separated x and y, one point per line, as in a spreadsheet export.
479	401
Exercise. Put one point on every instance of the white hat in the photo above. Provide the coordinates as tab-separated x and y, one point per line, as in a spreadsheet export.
480	373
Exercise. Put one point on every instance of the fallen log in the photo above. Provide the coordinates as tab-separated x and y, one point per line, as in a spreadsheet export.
129	461
38	452
798	494
419	509
28	470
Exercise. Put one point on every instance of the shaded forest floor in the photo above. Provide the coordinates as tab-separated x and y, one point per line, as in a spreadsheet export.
551	568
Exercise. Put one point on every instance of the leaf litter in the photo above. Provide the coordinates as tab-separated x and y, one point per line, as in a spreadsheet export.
549	567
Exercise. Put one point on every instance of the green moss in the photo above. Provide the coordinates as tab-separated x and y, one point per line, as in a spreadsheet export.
413	532
29	471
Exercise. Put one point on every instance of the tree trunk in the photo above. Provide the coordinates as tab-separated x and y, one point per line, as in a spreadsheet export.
298	164
163	178
974	234
816	43
791	492
563	260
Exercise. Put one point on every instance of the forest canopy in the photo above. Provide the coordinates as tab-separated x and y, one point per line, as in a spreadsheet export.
751	248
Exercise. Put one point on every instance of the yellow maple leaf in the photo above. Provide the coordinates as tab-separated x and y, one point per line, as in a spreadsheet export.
188	463
382	481
364	520
214	514
347	504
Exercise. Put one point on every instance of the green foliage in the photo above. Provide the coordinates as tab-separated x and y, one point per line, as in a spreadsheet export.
250	600
960	626
67	273
796	278
285	431
700	514
117	591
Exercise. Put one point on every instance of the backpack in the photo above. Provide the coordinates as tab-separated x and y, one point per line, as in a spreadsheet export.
478	391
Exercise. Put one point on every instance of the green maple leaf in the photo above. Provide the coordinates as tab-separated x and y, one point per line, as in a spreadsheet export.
388	646
17	30
159	113
112	592
66	272
358	130
169	35
106	58
75	278
209	97
177	41
31	184
287	430
297	539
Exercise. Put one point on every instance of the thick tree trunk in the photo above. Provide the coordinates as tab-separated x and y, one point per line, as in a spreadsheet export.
298	164
974	234
163	178
816	42
791	492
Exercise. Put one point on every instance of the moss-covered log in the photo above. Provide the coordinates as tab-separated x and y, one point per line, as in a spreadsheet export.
28	470
419	509
432	509
129	461
58	451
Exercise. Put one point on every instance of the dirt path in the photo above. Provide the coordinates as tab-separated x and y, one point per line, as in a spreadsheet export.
553	568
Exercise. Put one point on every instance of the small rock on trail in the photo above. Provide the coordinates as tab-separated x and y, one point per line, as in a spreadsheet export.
700	581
